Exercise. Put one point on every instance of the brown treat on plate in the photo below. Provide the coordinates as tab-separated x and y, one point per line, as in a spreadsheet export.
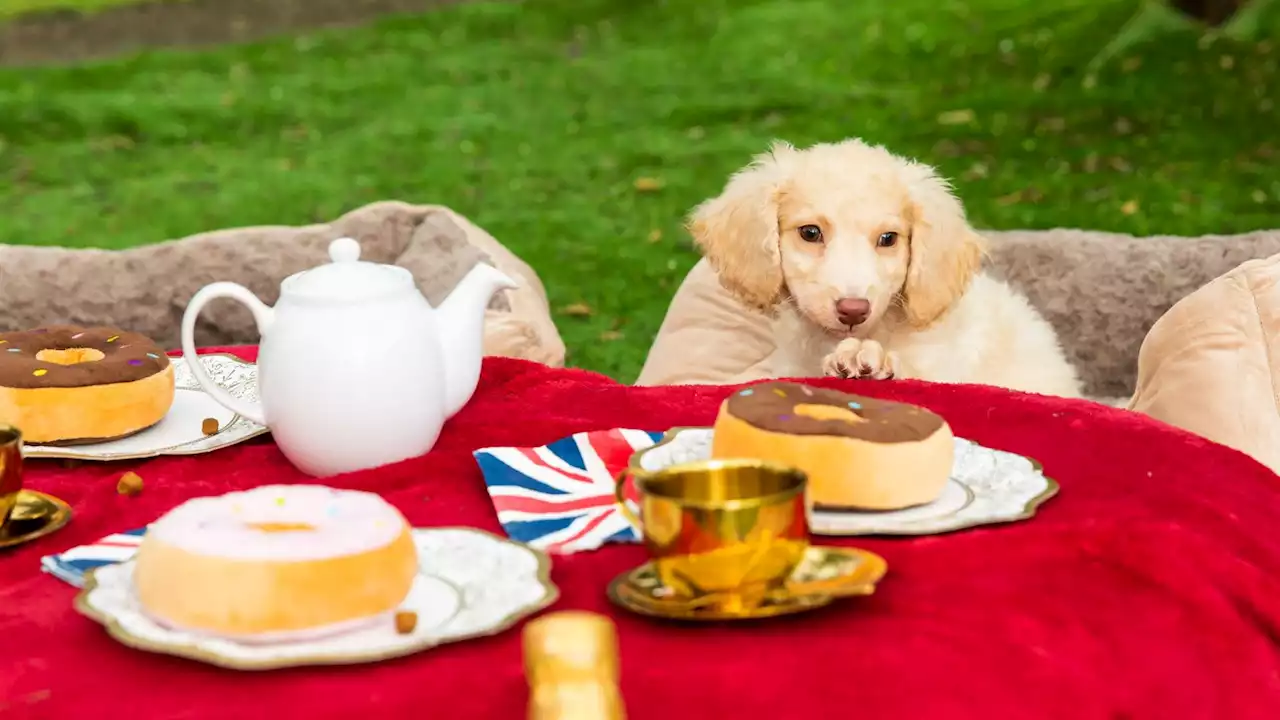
69	385
209	426
859	453
406	621
130	484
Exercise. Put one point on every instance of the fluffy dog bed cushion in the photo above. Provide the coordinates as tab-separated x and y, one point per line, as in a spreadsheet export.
1101	292
1211	365
146	289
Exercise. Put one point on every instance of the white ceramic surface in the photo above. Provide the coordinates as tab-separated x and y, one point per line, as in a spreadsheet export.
357	369
181	431
471	584
987	486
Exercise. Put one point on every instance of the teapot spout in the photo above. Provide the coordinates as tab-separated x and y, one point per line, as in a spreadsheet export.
460	319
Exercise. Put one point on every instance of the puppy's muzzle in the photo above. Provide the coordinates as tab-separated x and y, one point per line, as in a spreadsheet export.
852	311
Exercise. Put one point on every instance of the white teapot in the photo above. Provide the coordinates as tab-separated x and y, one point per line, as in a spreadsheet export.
355	368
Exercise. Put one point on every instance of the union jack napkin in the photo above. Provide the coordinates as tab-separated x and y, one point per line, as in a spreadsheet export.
560	497
71	566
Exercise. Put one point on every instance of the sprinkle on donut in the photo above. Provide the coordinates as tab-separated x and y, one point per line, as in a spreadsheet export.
70	356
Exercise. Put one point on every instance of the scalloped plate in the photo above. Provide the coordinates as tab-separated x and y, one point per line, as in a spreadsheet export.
181	431
471	584
987	487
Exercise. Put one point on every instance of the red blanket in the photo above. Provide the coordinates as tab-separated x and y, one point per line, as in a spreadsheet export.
1149	588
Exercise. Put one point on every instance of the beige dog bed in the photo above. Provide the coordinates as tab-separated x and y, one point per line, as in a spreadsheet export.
1211	365
1102	292
146	289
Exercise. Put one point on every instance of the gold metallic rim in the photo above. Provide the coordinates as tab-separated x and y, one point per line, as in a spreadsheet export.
61	516
57	453
1028	511
877	567
737	503
14	430
191	652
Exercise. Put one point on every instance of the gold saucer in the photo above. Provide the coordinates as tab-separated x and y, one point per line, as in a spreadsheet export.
35	516
843	572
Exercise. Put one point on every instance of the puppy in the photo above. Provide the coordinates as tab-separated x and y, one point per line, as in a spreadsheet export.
870	270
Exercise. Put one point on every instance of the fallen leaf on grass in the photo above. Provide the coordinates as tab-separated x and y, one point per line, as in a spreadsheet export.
956	117
1130	207
610	335
647	184
655	235
1054	124
576	310
1027	194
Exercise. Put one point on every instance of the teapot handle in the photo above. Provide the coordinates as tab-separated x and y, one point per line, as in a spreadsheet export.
262	316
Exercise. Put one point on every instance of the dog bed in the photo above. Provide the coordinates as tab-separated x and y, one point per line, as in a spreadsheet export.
1211	364
1101	291
146	289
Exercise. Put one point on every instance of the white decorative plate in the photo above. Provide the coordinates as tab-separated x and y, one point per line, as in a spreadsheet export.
987	486
181	431
471	584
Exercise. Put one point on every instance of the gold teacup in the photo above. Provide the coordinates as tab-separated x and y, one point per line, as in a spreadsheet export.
727	533
10	470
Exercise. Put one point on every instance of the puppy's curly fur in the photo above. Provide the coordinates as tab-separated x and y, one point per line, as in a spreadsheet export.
798	230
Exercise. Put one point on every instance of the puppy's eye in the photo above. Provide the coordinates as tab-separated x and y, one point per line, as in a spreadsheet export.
810	233
888	239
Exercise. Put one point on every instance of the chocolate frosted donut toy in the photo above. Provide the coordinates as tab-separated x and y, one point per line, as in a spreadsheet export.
278	563
69	385
859	453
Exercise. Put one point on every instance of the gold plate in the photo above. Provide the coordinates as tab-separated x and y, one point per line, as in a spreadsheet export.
856	571
35	516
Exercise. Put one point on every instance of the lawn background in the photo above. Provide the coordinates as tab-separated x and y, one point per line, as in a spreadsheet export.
579	132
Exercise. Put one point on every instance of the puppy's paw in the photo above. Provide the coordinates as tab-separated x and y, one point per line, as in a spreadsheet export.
855	358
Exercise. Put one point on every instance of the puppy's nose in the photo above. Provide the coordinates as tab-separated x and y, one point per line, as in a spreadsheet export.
853	311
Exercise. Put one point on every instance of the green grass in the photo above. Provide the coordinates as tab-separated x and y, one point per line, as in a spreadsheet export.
13	8
537	120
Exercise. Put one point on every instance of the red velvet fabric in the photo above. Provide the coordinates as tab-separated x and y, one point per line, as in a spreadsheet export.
1149	588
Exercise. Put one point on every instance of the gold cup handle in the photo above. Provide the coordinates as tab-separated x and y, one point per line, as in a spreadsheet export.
619	487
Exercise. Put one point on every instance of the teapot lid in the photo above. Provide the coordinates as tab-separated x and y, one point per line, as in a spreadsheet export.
346	277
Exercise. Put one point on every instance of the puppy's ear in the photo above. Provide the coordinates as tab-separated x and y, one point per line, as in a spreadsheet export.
945	252
738	231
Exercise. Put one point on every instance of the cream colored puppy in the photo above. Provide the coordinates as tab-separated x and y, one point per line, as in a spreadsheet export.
871	270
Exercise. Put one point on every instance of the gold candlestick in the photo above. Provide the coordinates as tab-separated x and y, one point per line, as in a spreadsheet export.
571	662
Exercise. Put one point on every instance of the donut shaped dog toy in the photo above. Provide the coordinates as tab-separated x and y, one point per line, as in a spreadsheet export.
275	563
859	453
66	385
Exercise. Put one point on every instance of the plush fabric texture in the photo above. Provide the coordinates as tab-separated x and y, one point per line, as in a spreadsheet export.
1149	588
1101	292
1211	365
146	289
